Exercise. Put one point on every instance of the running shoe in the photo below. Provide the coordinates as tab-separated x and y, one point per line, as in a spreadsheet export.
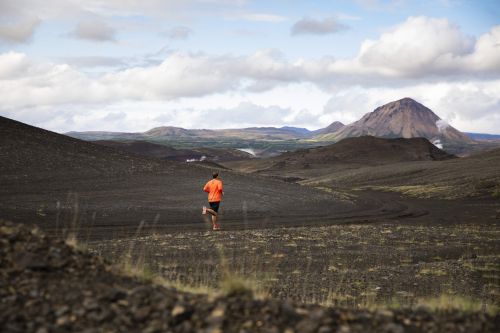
204	210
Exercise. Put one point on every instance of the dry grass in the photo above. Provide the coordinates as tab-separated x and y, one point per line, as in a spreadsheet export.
425	191
447	302
361	266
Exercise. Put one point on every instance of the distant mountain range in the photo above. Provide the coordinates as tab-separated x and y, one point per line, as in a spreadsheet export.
176	133
483	137
404	118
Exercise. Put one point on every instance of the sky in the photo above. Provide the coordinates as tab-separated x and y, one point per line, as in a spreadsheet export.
131	65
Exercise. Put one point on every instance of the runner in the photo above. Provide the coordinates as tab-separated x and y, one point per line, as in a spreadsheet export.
214	190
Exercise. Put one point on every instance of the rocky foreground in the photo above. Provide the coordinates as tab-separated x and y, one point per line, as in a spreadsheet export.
49	286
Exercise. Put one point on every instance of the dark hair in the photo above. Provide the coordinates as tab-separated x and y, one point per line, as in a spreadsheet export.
215	174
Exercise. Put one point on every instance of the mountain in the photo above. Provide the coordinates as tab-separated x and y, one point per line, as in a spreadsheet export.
176	133
404	118
483	137
300	130
332	128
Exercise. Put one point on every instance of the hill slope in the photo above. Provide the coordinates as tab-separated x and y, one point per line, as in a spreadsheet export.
404	118
410	166
359	151
332	128
29	151
476	175
54	178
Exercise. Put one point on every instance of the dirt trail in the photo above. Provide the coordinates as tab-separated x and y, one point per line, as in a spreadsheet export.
115	208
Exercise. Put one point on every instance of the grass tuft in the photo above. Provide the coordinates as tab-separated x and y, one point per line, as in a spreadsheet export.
233	284
451	302
496	192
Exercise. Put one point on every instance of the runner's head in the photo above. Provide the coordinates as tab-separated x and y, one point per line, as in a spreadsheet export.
215	174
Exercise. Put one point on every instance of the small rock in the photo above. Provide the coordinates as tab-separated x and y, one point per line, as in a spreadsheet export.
344	329
90	304
142	313
307	326
62	321
325	329
115	295
288	309
62	310
384	315
317	314
393	328
177	310
217	316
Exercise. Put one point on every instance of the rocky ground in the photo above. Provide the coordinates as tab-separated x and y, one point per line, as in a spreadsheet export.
49	286
354	265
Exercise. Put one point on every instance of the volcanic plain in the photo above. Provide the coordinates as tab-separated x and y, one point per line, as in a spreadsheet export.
289	229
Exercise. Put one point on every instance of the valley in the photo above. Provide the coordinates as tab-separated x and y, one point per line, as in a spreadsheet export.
366	222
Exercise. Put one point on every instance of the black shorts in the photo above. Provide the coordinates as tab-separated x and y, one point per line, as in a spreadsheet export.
215	206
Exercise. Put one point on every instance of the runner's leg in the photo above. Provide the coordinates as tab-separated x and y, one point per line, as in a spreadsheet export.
211	211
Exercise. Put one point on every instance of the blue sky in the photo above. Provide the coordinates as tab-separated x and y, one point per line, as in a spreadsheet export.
133	65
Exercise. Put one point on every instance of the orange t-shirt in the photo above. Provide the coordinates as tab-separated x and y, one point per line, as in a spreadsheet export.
214	190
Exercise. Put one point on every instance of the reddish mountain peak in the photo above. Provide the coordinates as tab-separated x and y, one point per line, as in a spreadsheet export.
404	118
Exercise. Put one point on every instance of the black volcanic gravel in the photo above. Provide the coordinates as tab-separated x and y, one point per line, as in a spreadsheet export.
48	286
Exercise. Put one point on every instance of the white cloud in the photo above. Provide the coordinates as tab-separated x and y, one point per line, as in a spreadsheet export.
313	26
94	61
442	125
94	30
486	54
423	47
301	105
428	59
179	32
114	116
179	75
419	44
249	114
259	17
18	30
13	65
19	19
395	56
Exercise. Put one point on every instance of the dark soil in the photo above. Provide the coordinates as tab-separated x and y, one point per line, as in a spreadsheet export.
47	286
111	199
348	265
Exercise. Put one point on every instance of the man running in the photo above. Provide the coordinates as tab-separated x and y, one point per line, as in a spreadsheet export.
214	190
